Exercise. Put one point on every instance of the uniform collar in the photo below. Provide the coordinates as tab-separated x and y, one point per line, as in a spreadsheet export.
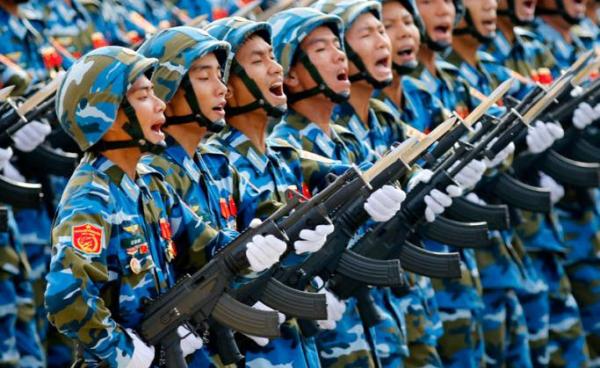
314	133
178	154
115	174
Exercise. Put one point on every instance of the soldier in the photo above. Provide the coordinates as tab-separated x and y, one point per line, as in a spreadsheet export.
255	82
114	235
192	86
69	25
557	27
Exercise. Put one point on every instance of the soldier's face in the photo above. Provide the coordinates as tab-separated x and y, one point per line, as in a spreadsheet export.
368	39
206	79
575	8
483	13
149	109
257	59
438	17
402	31
324	51
525	9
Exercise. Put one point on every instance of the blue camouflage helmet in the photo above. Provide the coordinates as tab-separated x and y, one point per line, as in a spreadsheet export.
94	88
290	27
349	11
177	49
236	31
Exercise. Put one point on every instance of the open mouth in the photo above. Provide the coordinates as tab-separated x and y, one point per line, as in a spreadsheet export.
443	29
276	89
489	24
156	128
342	76
219	108
383	62
406	52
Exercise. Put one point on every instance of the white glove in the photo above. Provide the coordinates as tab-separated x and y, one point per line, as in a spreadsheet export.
259	340
584	115
312	240
436	200
31	135
557	191
335	310
470	175
474	198
263	251
11	172
190	342
143	355
542	135
383	203
5	155
501	156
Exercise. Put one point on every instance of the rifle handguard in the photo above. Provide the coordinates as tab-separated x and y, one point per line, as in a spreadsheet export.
294	303
571	172
371	271
496	216
520	195
455	233
427	263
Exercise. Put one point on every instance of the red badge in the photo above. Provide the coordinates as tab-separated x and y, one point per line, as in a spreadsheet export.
305	191
143	248
224	208
232	207
87	238
165	229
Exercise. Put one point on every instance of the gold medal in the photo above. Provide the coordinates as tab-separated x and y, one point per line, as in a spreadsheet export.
171	251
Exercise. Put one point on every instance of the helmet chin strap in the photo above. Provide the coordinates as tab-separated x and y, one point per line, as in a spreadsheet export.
406	68
363	73
560	10
511	12
471	29
260	101
134	129
196	115
321	86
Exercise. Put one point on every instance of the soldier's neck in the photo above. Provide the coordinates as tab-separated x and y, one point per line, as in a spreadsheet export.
507	28
10	7
317	109
560	25
427	57
254	126
394	91
125	158
466	46
187	135
360	94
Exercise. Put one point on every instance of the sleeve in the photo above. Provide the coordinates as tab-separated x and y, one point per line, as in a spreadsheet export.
78	274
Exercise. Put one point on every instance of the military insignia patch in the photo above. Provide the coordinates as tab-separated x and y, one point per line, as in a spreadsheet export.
88	238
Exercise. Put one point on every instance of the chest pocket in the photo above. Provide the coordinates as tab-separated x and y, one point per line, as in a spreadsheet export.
134	256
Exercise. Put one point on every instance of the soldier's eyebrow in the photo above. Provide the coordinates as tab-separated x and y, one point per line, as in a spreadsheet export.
201	67
323	39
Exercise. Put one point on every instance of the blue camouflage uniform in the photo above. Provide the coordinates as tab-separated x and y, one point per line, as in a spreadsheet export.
423	323
459	300
501	268
579	219
116	241
71	26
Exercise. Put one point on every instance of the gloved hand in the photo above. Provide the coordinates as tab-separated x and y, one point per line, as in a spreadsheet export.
11	172
31	135
436	200
5	155
501	156
263	251
259	340
143	355
383	203
542	135
335	310
190	342
470	175
585	114
557	191
312	240
474	198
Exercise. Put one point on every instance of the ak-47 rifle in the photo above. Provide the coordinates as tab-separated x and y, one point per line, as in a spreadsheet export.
196	298
389	240
20	195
